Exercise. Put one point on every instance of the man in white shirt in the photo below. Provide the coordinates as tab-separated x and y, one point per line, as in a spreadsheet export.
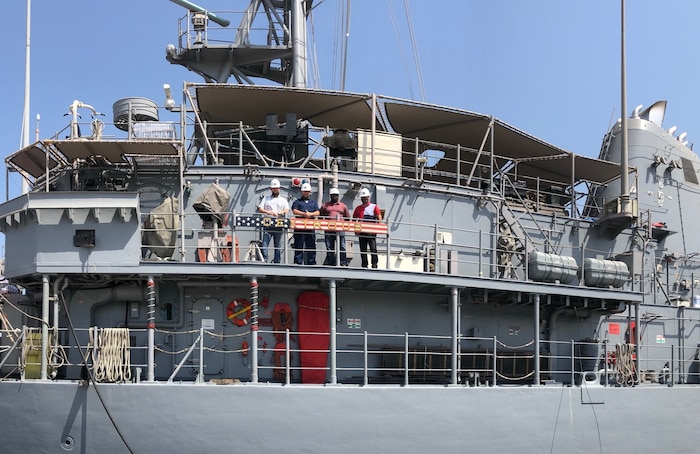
275	206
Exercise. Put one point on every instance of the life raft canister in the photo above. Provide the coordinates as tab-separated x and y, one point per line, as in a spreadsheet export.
235	309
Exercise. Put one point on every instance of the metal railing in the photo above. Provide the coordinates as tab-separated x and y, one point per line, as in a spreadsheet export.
362	358
411	247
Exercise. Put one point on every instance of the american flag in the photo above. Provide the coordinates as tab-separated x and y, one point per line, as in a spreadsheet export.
261	221
312	224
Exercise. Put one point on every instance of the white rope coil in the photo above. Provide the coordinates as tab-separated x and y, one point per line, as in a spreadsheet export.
111	362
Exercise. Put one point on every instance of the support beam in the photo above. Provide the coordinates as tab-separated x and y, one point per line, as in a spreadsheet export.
151	326
333	331
536	305
454	304
253	329
44	326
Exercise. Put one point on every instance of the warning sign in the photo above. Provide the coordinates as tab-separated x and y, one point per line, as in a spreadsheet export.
354	323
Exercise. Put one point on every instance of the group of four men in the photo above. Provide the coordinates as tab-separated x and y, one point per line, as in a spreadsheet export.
305	240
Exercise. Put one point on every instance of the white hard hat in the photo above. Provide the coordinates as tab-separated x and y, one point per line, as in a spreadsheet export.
275	183
364	192
334	191
305	187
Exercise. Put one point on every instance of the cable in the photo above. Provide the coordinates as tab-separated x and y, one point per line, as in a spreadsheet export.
91	375
398	39
414	46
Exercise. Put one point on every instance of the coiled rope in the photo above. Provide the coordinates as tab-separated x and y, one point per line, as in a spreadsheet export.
625	372
110	354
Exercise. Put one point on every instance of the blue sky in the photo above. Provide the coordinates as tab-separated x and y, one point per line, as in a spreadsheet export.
548	67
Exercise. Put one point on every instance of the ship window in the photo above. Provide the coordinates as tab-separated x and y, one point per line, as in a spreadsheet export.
432	156
689	171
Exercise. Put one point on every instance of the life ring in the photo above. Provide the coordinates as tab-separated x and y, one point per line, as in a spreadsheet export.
235	309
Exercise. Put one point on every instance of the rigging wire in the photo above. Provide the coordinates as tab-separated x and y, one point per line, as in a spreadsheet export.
313	60
395	24
336	34
409	21
344	51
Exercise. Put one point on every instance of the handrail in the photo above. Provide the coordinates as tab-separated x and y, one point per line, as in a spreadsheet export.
406	246
200	375
14	346
411	359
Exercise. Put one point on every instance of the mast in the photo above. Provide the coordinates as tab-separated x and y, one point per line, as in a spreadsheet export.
624	153
298	44
279	57
27	85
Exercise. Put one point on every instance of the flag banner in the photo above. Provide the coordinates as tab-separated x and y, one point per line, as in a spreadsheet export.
331	225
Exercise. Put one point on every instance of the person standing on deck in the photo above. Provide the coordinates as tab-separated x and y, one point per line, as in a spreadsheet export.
368	212
305	240
276	206
335	210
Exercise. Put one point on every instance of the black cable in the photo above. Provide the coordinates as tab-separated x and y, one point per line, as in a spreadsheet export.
92	377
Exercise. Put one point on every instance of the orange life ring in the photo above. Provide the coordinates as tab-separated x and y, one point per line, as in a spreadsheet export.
235	309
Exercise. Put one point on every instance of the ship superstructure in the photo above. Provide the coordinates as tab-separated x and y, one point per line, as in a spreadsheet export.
515	303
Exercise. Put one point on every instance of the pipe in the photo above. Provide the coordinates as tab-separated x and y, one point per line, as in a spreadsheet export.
44	326
536	304
333	331
254	329
56	301
151	325
454	301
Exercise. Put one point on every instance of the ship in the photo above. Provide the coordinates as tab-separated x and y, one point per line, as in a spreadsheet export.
521	297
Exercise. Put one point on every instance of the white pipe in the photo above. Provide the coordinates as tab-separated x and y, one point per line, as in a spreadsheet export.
333	331
44	325
150	373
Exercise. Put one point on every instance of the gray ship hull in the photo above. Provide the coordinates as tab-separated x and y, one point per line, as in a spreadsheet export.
318	419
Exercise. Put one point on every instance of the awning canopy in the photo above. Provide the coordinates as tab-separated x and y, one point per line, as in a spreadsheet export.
533	157
221	104
45	155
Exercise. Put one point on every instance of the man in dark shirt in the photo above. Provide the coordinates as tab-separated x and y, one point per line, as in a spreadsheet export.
335	210
305	240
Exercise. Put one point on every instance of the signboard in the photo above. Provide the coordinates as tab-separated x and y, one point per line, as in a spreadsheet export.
354	323
614	328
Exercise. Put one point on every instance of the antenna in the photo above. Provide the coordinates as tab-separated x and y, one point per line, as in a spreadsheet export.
198	9
27	85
